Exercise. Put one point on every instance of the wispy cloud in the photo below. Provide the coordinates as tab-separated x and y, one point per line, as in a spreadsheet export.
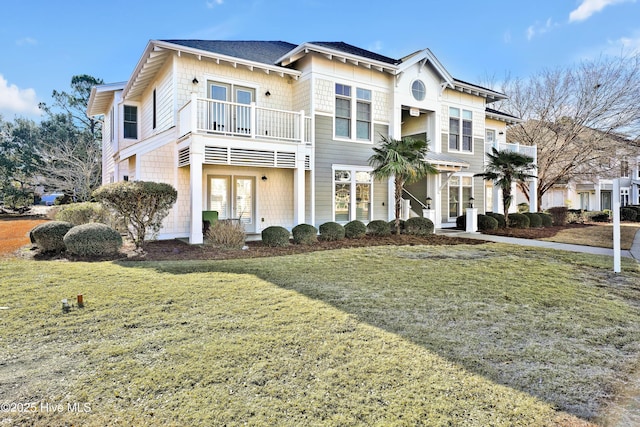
27	41
538	28
16	100
589	7
213	3
376	46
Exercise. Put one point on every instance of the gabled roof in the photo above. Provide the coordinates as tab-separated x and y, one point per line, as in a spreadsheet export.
101	97
357	51
266	52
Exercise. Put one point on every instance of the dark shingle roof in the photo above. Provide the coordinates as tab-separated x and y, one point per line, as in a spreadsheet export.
492	111
265	52
354	50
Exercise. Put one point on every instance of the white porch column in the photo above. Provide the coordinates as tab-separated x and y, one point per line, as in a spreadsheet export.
195	184
597	205
299	190
533	195
497	198
472	220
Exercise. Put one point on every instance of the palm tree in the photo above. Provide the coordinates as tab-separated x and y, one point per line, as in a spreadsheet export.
403	159
504	168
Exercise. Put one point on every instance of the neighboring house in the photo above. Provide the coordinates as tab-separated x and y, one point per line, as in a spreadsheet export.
273	133
589	187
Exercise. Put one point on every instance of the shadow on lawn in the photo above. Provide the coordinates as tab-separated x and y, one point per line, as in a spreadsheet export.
538	347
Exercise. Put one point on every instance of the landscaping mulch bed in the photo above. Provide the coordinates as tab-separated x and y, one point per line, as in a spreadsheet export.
180	250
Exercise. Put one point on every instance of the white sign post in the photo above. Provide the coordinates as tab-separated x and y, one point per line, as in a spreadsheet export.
615	206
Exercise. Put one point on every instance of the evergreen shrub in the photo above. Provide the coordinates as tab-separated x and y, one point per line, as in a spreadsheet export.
92	239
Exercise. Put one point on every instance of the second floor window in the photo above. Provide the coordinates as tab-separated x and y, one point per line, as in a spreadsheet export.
460	130
344	119
624	169
130	122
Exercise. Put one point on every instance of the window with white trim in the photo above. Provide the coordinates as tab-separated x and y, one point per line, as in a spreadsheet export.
460	130
352	195
460	191
624	169
346	125
130	121
624	196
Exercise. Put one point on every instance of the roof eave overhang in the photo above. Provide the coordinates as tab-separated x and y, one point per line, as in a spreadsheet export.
155	53
101	97
510	120
332	54
490	95
448	166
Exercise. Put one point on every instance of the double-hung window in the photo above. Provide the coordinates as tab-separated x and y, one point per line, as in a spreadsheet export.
343	111
130	122
344	118
363	114
460	130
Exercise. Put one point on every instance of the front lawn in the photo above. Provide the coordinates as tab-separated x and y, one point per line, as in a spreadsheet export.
415	335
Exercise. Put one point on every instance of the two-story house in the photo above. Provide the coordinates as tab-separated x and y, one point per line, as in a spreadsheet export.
274	133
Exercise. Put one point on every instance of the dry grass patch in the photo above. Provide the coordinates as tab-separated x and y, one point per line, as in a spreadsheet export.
14	233
600	235
464	335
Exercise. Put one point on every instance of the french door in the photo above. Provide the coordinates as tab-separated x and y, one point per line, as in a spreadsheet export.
227	118
233	197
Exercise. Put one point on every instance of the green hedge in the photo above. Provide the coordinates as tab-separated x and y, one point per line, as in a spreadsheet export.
418	226
498	217
547	220
461	222
535	220
392	226
559	215
49	235
93	239
304	234
628	214
331	231
355	229
379	228
486	222
517	220
82	213
275	236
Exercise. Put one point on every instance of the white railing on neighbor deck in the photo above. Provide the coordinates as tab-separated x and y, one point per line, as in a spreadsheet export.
244	120
528	150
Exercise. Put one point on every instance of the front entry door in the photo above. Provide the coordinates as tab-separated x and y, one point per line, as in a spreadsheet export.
233	197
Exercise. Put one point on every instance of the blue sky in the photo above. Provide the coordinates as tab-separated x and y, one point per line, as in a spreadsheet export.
43	43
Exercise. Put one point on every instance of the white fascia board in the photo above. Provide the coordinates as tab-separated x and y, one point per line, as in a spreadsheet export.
510	120
427	55
305	48
141	62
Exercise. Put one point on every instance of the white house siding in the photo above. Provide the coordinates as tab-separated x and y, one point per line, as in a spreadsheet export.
280	88
164	104
183	203
273	197
108	164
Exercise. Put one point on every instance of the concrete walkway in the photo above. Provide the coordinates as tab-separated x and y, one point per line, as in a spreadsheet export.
634	252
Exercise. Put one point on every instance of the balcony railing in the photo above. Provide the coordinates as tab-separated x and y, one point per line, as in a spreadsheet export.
244	120
528	150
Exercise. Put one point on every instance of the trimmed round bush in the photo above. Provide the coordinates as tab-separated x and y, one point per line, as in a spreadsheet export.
535	220
547	220
517	220
628	214
93	239
486	222
304	234
418	226
379	228
461	222
499	217
331	231
392	226
275	236
49	236
355	229
82	213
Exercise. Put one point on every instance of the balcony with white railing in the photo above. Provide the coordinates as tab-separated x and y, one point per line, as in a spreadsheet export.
213	117
527	150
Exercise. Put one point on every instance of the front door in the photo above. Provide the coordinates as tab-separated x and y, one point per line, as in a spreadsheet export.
233	198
